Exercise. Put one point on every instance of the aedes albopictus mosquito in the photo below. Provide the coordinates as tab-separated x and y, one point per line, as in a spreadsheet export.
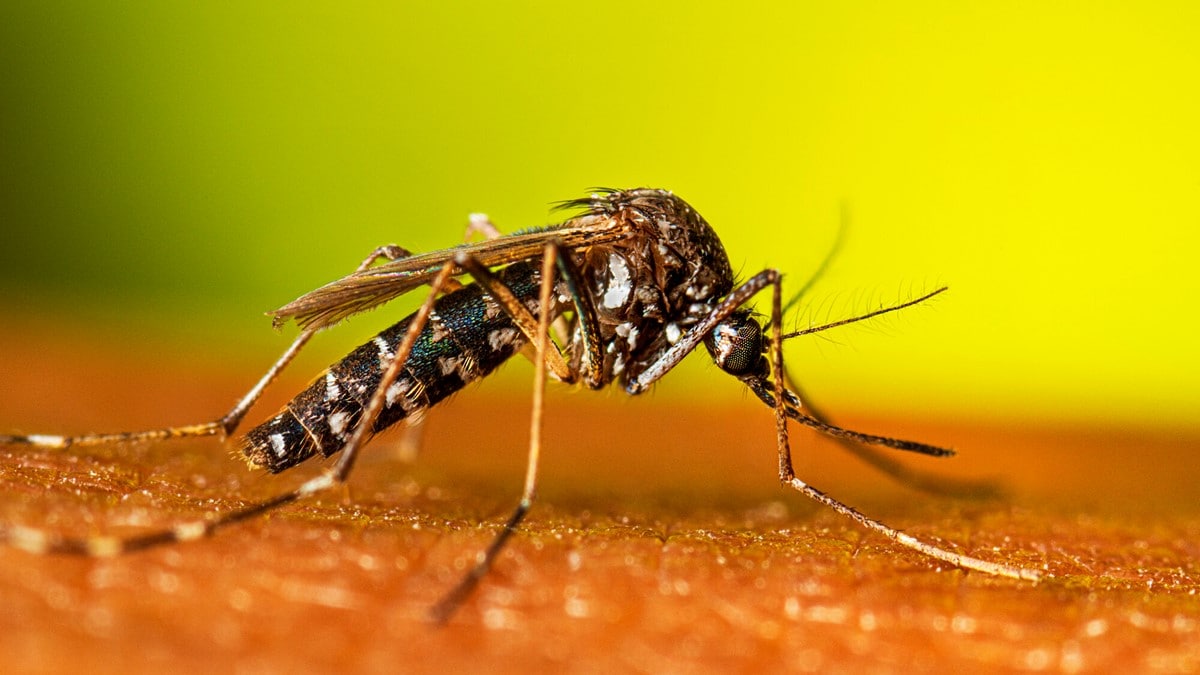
629	286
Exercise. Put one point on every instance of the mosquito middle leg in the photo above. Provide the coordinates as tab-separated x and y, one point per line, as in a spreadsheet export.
519	313
445	608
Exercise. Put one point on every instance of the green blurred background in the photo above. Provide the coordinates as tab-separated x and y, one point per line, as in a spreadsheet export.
175	169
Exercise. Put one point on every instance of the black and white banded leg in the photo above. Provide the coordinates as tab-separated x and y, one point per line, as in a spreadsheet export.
787	474
444	609
787	405
39	541
223	426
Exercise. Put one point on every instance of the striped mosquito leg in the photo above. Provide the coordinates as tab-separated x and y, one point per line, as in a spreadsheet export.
787	475
84	440
38	541
366	423
776	355
446	607
479	223
41	542
957	559
234	417
223	426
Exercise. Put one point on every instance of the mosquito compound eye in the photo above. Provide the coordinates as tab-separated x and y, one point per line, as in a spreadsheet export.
737	345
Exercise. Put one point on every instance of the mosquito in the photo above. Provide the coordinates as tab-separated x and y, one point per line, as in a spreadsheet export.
630	285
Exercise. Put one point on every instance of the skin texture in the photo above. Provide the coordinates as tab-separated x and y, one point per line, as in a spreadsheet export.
672	549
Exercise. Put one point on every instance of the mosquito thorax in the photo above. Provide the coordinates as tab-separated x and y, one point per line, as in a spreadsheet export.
667	275
736	345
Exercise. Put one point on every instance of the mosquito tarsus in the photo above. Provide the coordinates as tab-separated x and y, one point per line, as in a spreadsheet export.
629	286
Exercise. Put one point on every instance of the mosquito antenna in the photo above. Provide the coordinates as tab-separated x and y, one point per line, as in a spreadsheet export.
864	317
838	242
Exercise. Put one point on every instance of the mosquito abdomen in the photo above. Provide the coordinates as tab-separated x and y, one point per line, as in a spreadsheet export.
468	335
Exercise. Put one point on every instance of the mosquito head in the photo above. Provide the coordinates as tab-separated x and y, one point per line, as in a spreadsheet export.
738	346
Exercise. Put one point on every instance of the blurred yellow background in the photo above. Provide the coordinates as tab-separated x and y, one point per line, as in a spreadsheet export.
177	170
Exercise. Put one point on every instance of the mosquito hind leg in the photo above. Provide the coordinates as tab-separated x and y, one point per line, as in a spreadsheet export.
223	426
519	313
479	223
385	252
233	418
42	542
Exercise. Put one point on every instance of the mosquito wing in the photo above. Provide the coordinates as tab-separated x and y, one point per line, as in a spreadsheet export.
375	286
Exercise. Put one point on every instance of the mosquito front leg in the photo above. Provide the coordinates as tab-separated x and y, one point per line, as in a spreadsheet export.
786	405
936	552
787	475
916	479
641	381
